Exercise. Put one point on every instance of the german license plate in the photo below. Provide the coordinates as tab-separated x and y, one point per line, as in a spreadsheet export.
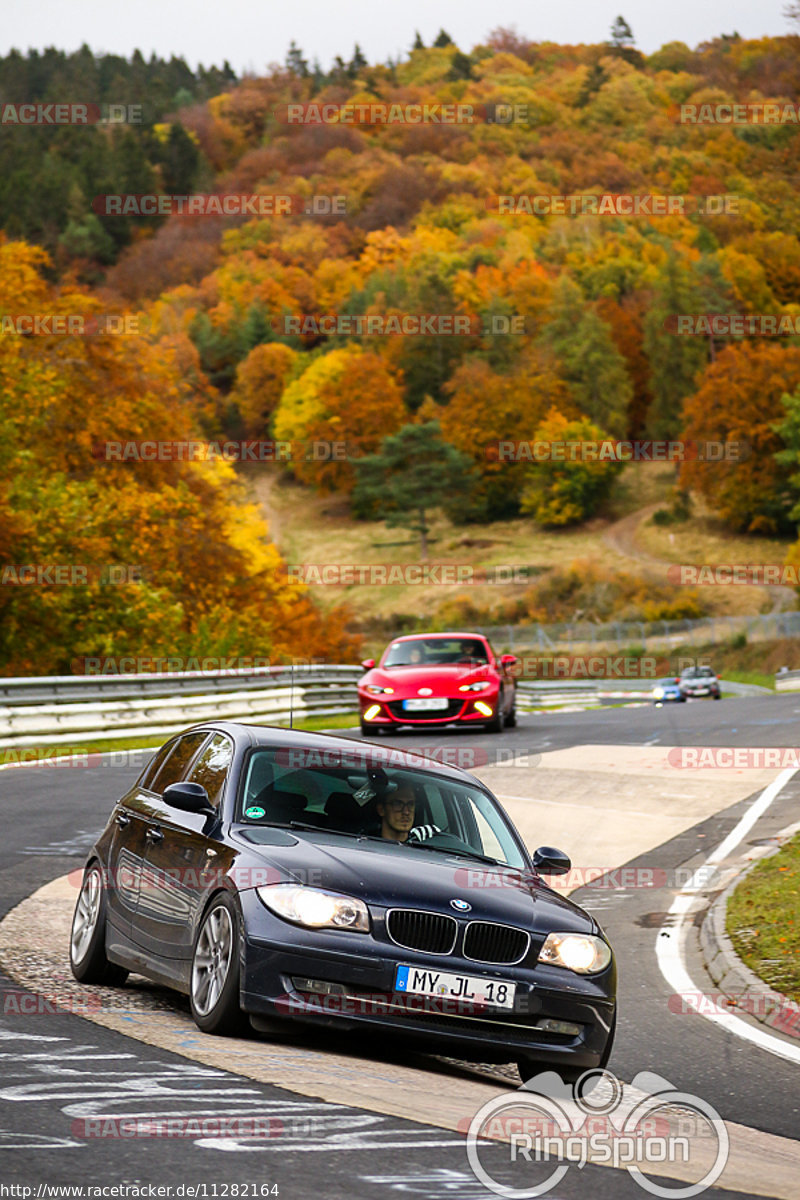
426	704
420	981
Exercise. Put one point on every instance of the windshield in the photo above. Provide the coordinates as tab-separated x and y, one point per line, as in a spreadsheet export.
435	652
350	792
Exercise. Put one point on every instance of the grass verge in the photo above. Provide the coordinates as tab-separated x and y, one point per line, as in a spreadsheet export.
763	919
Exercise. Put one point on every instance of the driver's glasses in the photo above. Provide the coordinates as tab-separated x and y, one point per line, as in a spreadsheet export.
408	805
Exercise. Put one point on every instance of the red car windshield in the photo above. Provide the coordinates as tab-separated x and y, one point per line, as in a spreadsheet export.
435	652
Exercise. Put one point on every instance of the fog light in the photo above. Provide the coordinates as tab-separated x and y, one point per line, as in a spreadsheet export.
485	709
549	1025
372	712
319	987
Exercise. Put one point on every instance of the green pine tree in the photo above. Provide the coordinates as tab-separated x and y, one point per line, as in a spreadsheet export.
415	473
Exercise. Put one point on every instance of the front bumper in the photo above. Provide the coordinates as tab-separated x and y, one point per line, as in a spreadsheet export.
460	709
280	961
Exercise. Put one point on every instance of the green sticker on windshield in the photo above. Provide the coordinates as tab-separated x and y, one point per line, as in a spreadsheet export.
255	812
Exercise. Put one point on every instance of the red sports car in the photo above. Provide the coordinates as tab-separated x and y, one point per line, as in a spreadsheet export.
430	679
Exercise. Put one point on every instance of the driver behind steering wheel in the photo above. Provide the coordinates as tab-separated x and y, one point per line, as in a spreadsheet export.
397	817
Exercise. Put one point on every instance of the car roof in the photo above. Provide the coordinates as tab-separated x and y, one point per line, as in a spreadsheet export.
278	736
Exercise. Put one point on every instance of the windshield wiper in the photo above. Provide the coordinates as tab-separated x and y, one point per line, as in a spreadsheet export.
423	845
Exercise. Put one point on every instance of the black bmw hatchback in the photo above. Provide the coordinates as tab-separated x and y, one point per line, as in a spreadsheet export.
274	874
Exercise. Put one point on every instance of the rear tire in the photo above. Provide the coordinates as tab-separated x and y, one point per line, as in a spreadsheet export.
214	980
87	943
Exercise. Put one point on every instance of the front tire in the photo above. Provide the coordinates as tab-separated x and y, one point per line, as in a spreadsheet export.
511	719
496	723
529	1066
87	942
214	982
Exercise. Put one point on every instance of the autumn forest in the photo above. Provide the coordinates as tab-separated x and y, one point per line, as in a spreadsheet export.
255	326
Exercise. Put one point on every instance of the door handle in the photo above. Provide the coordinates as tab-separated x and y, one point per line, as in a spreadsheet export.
122	820
154	835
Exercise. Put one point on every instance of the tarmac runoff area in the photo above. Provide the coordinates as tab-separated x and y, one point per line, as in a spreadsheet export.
643	801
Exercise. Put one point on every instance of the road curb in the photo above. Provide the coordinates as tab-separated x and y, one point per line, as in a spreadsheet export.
741	987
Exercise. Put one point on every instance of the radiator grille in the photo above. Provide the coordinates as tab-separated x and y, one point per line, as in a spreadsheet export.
428	932
488	943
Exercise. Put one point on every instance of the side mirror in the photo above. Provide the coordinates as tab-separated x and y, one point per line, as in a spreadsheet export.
368	663
189	797
507	660
549	861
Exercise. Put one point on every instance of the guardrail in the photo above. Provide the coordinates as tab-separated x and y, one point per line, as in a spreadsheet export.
60	709
787	681
83	708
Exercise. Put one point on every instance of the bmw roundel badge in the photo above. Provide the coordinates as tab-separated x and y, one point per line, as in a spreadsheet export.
461	905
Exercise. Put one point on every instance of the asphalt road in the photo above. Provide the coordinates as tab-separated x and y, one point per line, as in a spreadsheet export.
55	1067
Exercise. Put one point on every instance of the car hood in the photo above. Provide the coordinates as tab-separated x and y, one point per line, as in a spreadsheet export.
387	875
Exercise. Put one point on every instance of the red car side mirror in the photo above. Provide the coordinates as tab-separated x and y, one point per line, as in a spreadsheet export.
368	663
507	660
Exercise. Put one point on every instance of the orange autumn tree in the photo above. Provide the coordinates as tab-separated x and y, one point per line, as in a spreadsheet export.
492	417
206	579
340	408
738	402
260	380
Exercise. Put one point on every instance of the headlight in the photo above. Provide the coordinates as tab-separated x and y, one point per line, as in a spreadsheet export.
315	908
474	687
378	691
658	693
578	952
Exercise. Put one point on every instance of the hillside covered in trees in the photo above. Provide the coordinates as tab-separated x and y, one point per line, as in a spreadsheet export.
569	320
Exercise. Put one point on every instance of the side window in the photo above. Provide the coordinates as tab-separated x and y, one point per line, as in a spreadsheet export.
177	762
155	764
211	768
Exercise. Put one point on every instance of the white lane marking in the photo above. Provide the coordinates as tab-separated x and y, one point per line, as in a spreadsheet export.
669	942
